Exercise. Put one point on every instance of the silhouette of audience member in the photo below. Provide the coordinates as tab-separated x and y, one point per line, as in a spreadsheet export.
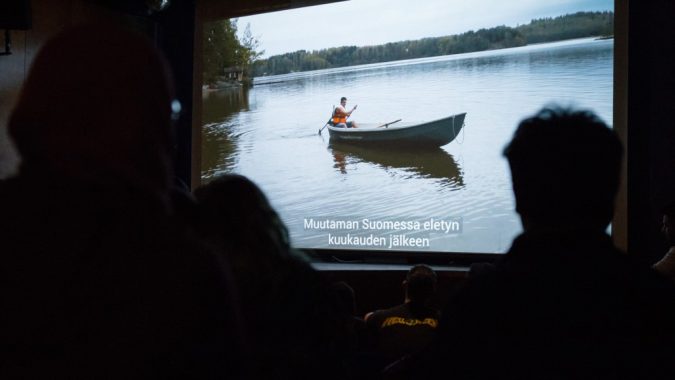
353	341
183	203
353	327
292	321
407	328
666	265
97	279
563	302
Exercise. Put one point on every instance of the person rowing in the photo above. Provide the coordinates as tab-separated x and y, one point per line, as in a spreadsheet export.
340	115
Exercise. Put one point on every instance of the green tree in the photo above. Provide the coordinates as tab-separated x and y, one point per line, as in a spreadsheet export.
248	50
223	49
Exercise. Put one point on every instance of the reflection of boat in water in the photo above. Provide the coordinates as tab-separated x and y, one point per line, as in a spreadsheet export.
431	133
431	163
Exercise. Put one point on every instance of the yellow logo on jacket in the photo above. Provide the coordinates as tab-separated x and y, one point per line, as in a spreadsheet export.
392	321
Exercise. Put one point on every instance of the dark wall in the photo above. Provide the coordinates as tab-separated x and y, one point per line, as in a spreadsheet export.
173	30
651	127
175	37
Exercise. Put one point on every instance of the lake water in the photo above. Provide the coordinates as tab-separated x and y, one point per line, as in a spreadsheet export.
324	192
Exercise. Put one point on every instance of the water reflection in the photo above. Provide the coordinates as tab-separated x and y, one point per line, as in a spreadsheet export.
431	163
221	104
219	142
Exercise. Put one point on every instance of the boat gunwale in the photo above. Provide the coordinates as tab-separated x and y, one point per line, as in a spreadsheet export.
378	130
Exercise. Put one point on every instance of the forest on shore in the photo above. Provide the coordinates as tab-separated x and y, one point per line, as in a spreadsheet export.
224	50
569	26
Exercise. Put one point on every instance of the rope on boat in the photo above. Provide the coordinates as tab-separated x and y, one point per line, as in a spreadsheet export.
463	134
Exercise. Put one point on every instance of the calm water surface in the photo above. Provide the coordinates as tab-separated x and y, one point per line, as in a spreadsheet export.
269	133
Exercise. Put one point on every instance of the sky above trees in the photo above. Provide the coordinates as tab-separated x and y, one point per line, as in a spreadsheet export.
373	22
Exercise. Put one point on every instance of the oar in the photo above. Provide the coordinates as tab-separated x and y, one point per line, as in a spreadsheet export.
328	122
389	123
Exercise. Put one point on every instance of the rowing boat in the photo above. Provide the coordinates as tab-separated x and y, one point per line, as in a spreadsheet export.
431	133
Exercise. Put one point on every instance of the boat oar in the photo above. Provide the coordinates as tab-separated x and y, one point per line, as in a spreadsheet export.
388	124
328	122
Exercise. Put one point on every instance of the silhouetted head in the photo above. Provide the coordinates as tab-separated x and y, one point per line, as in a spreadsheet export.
420	284
565	166
96	106
234	209
668	223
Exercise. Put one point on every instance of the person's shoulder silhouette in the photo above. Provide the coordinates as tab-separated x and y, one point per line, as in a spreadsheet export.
563	302
98	280
291	317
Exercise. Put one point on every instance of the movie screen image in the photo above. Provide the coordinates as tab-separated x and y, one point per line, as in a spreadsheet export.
412	159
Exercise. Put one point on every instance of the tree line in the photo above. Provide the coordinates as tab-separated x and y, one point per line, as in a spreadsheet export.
577	25
223	49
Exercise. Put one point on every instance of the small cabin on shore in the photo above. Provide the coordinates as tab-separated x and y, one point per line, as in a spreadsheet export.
234	73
